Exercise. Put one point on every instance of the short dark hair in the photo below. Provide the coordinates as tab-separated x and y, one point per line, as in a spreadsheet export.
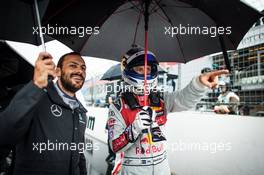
62	58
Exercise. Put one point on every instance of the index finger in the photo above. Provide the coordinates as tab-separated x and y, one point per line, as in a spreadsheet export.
219	72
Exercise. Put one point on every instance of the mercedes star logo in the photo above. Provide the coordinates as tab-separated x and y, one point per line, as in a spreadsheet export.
56	110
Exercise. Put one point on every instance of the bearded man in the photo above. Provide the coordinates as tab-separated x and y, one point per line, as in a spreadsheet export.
46	122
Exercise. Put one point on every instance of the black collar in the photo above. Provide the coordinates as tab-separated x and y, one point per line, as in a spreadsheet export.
55	98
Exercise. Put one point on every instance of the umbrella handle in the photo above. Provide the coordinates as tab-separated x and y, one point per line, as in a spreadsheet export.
39	25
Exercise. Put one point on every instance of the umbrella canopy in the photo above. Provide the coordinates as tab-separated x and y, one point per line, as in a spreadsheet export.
19	21
14	73
77	19
171	36
114	73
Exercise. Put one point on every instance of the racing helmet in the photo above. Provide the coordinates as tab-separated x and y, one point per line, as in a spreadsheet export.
224	86
135	57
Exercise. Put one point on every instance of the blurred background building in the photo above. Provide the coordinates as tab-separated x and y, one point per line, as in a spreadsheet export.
247	76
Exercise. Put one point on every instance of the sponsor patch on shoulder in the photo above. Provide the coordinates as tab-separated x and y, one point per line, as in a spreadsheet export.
111	113
111	122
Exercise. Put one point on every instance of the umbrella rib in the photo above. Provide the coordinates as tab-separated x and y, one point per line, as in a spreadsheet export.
137	9
135	35
170	21
162	17
152	10
136	6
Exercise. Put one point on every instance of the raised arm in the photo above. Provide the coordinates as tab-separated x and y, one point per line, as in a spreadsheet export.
190	95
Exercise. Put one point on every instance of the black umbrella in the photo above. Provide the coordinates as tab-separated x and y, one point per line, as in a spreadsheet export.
126	27
162	20
114	73
20	21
